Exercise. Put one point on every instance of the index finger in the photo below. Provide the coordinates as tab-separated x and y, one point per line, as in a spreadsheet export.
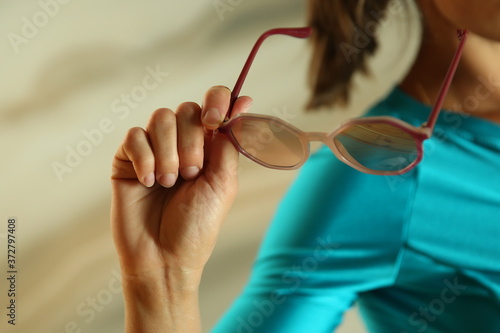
216	104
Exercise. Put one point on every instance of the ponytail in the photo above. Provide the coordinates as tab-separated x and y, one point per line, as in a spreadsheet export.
343	37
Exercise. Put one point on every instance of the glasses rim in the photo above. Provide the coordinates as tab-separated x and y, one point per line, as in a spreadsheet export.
420	134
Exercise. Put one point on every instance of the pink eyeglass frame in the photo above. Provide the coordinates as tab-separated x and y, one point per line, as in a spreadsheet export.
420	134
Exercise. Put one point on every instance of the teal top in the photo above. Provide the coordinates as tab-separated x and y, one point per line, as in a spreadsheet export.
418	252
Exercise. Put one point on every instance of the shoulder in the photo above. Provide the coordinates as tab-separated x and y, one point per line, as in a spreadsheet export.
400	105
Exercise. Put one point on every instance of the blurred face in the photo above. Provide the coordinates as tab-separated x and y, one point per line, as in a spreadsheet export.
480	17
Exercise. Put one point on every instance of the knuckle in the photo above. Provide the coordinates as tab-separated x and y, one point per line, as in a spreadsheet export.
188	110
218	91
163	116
134	134
221	87
187	107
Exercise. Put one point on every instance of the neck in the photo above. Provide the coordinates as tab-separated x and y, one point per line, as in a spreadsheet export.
476	86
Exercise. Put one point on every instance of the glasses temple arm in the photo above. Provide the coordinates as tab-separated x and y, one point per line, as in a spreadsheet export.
462	36
303	32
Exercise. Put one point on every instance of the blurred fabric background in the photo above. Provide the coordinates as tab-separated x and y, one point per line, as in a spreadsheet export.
75	75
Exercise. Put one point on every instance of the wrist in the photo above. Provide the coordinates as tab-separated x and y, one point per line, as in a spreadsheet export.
162	299
166	279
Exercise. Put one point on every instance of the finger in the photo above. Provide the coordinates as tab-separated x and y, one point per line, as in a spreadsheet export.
190	139
215	106
241	105
222	165
137	149
162	130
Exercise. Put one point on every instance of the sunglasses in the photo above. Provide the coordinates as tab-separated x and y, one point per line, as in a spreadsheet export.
379	145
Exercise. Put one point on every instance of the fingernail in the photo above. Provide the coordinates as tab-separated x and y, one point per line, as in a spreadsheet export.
212	117
190	172
149	180
167	180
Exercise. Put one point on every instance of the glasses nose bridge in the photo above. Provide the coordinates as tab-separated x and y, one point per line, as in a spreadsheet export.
317	136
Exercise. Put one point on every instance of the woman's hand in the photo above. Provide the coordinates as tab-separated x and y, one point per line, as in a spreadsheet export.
173	184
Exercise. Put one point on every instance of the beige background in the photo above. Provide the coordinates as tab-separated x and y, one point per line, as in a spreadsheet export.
67	74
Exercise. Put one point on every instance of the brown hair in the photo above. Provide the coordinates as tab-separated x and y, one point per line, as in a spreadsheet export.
342	39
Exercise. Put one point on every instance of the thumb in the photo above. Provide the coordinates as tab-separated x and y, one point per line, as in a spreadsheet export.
221	165
221	168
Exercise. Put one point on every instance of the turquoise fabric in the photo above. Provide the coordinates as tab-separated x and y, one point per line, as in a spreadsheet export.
419	252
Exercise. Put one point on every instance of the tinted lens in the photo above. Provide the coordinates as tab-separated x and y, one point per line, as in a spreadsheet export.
377	146
268	141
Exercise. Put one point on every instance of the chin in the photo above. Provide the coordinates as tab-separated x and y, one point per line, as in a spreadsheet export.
480	19
486	32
